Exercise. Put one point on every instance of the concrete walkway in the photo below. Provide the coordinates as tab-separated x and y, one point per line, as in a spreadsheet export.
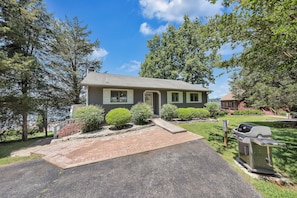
78	152
168	126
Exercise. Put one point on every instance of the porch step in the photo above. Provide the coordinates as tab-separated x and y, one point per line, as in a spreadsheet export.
168	126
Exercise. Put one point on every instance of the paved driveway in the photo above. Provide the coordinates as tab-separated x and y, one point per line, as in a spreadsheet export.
190	169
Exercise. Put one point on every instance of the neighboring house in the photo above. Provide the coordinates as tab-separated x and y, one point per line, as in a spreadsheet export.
228	102
112	91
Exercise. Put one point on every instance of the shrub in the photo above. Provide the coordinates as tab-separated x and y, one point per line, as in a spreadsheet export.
168	111
202	113
248	112
91	116
140	113
282	113
118	117
185	113
70	129
213	109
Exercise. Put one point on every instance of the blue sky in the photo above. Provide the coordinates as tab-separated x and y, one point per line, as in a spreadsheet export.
124	26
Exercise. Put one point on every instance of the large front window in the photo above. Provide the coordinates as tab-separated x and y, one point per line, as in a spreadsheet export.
118	96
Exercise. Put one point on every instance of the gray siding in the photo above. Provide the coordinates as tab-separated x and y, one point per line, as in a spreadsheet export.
95	97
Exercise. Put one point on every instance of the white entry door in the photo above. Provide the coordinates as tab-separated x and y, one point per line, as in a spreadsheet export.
149	99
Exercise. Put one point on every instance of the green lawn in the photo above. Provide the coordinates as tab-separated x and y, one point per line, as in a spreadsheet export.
284	159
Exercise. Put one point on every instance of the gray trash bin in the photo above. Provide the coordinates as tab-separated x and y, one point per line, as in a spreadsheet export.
254	147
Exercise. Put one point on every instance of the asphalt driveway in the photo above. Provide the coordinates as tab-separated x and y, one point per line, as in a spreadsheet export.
190	169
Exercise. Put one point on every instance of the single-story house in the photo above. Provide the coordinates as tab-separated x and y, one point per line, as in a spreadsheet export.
228	102
113	91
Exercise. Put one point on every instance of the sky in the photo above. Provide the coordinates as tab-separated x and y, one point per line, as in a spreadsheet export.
123	28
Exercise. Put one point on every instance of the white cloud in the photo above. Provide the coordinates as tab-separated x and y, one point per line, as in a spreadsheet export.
226	49
99	53
132	66
146	29
174	10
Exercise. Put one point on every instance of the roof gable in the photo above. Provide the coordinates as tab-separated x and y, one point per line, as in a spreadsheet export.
228	97
111	80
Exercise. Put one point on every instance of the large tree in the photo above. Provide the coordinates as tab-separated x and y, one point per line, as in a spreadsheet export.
182	53
69	57
23	30
267	32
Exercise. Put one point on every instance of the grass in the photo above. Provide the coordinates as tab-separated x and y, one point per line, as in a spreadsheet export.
14	144
284	159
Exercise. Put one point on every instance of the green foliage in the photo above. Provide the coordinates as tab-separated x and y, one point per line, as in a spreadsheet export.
266	30
91	116
140	113
118	117
186	53
185	113
282	113
248	112
213	109
24	29
202	113
70	49
191	112
168	112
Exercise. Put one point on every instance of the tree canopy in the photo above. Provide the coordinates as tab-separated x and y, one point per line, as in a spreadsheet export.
42	61
267	32
182	53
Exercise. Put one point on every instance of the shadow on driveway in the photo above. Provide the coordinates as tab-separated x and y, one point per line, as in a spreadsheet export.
190	169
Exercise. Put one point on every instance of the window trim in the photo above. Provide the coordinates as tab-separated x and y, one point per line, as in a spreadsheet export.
194	92
107	96
180	97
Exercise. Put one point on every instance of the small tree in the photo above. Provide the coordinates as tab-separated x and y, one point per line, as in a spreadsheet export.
91	116
118	117
140	113
213	109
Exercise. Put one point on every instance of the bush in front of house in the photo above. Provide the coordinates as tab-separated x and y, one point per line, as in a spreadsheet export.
118	117
140	113
202	113
91	116
185	113
168	112
213	109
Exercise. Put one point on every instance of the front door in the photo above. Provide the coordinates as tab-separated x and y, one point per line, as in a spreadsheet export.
149	99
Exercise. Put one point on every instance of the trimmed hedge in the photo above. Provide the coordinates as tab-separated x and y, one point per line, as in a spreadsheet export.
248	112
140	113
91	116
118	117
168	112
185	113
191	112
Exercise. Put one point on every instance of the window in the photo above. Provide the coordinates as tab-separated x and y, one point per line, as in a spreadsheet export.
194	97
174	97
118	96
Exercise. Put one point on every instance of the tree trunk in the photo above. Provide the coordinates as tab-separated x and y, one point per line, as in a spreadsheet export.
25	127
45	122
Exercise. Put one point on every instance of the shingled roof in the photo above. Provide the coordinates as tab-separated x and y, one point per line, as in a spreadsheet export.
228	97
111	80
